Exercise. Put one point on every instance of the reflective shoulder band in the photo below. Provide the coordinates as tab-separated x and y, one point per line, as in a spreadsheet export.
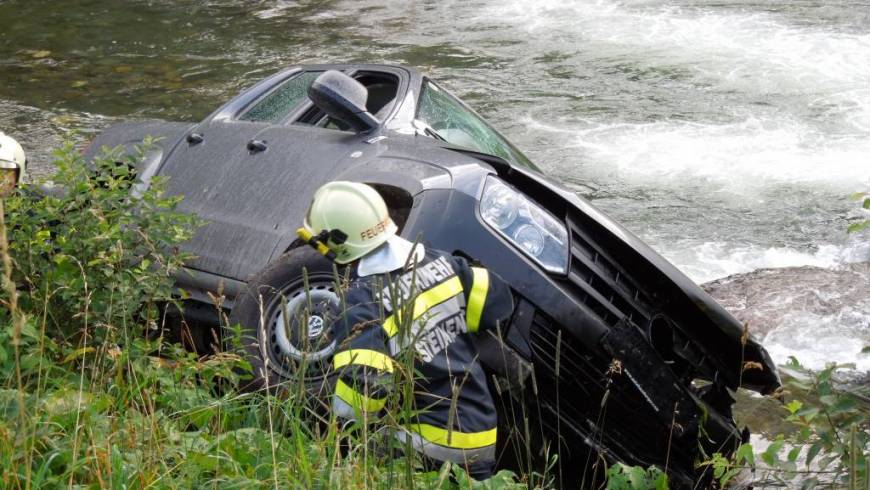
423	302
476	298
363	357
454	439
358	400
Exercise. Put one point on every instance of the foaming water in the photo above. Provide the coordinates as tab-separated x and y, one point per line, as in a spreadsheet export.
707	261
738	158
278	9
816	340
730	47
817	315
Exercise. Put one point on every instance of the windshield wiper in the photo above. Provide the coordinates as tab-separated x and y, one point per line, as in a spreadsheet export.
427	130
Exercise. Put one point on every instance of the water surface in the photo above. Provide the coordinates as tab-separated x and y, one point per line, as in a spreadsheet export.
728	134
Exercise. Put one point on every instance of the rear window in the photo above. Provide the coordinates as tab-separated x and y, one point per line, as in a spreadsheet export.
281	101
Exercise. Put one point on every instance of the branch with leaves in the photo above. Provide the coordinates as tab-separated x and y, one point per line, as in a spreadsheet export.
864	197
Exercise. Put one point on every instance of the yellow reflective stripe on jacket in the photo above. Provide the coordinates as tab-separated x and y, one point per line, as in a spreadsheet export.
357	400
363	357
476	298
424	302
454	439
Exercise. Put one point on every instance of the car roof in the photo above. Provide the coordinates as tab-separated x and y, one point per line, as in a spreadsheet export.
410	80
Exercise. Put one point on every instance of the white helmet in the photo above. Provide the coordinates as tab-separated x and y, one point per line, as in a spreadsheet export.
11	155
12	163
349	218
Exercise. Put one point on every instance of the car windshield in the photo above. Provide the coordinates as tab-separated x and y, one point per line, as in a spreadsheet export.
455	123
278	103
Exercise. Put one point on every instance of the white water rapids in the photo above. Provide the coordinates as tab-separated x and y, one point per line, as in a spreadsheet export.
740	132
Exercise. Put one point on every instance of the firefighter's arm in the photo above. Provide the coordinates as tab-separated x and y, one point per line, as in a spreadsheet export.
488	298
364	382
363	366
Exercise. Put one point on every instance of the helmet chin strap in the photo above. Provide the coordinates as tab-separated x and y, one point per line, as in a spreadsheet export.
319	241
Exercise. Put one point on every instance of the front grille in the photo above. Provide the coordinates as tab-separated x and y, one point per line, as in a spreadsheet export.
623	423
602	285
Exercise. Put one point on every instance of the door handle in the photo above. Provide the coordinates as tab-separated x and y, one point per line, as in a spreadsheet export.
194	138
256	146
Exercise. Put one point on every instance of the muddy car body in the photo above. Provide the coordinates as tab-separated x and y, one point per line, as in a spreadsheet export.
628	356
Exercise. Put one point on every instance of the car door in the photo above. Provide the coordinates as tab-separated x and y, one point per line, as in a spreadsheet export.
237	180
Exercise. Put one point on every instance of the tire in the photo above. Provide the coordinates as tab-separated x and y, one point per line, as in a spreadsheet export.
296	354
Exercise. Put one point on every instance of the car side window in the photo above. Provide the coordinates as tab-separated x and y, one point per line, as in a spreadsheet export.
277	105
458	125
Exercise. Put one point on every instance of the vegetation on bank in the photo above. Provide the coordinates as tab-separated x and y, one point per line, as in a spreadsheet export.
92	394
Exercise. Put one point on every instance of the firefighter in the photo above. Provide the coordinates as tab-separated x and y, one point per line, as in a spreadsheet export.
12	164
409	299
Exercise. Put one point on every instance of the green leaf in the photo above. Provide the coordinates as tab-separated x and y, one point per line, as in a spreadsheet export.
771	454
28	330
809	413
728	476
661	482
843	404
829	400
793	406
746	454
78	353
809	483
855	227
637	477
793	454
813	452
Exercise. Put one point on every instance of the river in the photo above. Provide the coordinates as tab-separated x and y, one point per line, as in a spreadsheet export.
729	134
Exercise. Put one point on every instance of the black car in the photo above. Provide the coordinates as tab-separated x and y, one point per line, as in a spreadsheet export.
611	351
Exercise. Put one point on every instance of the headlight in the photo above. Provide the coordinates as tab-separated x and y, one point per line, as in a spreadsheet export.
525	224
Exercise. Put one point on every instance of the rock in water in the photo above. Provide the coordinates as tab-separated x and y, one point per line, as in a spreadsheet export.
814	314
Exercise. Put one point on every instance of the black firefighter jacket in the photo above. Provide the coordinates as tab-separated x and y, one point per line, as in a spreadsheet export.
429	312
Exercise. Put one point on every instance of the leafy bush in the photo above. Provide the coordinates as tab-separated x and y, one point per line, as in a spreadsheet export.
87	254
829	444
624	477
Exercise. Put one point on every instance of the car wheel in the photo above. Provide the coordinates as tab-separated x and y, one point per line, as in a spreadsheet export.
285	313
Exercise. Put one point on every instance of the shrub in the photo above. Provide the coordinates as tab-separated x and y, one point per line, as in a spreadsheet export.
829	444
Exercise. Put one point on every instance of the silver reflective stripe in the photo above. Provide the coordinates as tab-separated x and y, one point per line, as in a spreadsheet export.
442	453
342	409
394	346
430	320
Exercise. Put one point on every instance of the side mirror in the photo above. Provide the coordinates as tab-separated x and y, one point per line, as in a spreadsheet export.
343	98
